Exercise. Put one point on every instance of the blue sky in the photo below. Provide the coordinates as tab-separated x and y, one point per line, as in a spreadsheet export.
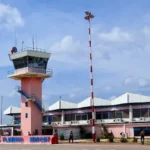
120	40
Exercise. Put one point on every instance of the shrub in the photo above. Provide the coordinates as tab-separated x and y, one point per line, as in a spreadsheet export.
123	140
106	134
97	139
111	137
135	139
61	137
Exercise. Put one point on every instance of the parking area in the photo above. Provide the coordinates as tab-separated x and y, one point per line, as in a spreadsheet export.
73	147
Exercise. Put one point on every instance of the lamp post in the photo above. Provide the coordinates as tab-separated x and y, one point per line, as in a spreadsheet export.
88	17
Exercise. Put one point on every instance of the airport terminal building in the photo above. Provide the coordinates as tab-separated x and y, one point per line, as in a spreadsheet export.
128	113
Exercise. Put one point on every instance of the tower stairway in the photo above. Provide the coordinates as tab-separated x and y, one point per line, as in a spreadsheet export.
33	98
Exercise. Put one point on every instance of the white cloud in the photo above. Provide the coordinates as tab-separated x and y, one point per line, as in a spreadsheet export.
10	17
137	82
116	35
129	80
68	50
146	31
107	88
72	95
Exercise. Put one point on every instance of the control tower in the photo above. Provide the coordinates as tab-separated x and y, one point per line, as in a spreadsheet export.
31	69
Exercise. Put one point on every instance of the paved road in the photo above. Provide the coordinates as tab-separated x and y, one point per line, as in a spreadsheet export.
73	147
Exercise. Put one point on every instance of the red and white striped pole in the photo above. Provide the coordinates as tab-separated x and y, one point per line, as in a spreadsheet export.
88	17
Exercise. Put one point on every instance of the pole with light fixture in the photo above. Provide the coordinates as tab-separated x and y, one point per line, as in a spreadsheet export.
88	17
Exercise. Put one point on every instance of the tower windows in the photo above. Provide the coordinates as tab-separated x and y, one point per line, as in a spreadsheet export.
26	115
26	104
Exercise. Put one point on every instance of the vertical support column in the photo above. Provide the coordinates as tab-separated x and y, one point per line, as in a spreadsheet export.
12	131
62	117
130	113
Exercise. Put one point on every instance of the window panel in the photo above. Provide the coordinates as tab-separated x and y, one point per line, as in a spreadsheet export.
126	113
136	113
56	118
112	115
105	115
144	112
45	118
78	117
84	117
89	116
118	114
98	115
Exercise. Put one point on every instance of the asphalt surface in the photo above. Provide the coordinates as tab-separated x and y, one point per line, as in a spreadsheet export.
74	147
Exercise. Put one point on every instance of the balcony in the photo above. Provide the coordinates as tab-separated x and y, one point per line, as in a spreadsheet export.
30	72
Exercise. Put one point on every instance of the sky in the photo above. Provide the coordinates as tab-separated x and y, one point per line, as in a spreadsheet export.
120	47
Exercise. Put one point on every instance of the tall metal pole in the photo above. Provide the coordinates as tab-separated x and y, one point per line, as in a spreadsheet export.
88	17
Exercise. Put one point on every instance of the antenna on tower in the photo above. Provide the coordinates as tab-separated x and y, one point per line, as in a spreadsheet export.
22	45
33	42
36	42
15	40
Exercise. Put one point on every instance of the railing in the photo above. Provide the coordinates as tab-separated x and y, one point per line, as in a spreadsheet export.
31	70
39	102
35	49
33	97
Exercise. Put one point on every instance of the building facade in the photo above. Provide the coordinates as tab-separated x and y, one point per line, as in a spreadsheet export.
128	113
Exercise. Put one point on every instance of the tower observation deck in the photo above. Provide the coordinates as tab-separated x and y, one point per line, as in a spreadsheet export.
30	63
30	67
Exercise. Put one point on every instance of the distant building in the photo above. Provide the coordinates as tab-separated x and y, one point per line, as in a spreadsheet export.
128	113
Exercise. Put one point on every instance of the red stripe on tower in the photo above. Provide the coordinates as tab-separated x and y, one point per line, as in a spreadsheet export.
92	95
89	43
89	31
90	56
91	70
92	82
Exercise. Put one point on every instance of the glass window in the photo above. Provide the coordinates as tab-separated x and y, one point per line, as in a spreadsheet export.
45	118
112	115
73	117
136	113
149	112
56	118
26	104
78	117
98	115
84	117
20	62
105	115
126	113
37	62
89	116
118	114
144	112
26	115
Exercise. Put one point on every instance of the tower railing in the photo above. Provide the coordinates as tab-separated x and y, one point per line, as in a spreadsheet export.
31	70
